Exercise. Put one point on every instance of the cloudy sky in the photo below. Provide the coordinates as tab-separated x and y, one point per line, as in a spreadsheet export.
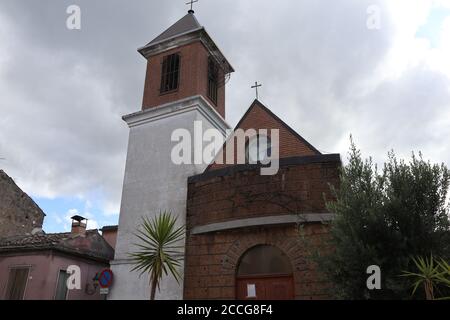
63	92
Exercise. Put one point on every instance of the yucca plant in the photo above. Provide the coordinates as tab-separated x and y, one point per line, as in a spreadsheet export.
159	251
444	277
431	273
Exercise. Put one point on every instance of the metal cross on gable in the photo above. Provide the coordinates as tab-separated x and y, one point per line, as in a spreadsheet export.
256	86
192	5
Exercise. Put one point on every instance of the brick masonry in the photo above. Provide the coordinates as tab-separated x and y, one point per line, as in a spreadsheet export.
260	117
193	78
212	259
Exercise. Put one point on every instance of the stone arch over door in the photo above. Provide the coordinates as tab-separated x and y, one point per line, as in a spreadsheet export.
264	272
290	246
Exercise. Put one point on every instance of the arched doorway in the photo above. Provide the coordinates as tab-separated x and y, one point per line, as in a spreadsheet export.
264	273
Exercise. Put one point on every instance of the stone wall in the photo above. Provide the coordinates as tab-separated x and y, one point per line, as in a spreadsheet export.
19	214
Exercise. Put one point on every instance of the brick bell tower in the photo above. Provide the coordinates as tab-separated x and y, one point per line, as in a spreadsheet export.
185	82
184	62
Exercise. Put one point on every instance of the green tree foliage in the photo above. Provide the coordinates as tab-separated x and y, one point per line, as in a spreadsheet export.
385	218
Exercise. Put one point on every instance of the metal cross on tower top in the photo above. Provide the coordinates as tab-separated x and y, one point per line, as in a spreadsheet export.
192	5
256	86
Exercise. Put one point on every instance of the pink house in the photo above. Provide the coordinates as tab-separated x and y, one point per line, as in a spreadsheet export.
34	267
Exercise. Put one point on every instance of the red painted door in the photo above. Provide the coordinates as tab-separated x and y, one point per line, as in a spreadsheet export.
265	288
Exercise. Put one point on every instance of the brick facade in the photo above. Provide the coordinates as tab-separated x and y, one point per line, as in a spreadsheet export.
260	117
241	192
193	78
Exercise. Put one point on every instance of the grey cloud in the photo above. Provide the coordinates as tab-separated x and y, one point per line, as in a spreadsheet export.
64	92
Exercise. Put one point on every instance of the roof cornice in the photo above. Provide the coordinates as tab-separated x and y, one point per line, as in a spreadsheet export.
199	34
334	158
171	109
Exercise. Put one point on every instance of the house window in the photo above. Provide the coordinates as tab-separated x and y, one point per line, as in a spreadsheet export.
213	77
170	73
17	283
61	287
258	149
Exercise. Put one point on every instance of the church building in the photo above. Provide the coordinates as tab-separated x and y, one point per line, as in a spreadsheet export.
245	232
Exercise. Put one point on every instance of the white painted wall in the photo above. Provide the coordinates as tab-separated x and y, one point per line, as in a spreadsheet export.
153	183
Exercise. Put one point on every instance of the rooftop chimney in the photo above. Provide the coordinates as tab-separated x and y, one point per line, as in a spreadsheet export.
78	226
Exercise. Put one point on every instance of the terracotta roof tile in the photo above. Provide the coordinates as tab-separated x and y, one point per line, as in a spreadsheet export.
92	245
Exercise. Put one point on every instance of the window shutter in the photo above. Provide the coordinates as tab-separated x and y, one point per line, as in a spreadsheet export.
17	283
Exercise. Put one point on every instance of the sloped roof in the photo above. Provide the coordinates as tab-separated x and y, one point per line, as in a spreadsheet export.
258	116
185	25
257	103
92	245
190	27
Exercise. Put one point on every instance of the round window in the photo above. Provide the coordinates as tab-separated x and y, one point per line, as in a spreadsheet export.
258	149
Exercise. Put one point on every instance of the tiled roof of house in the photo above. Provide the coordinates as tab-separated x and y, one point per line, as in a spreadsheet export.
92	245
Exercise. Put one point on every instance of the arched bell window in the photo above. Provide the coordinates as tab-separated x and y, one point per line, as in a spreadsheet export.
258	149
264	260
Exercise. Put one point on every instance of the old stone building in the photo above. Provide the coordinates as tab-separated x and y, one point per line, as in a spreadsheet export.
19	214
243	239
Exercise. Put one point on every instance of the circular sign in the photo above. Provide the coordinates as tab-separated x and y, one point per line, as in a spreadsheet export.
105	278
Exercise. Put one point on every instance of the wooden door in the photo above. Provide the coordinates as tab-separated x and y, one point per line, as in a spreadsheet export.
265	288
